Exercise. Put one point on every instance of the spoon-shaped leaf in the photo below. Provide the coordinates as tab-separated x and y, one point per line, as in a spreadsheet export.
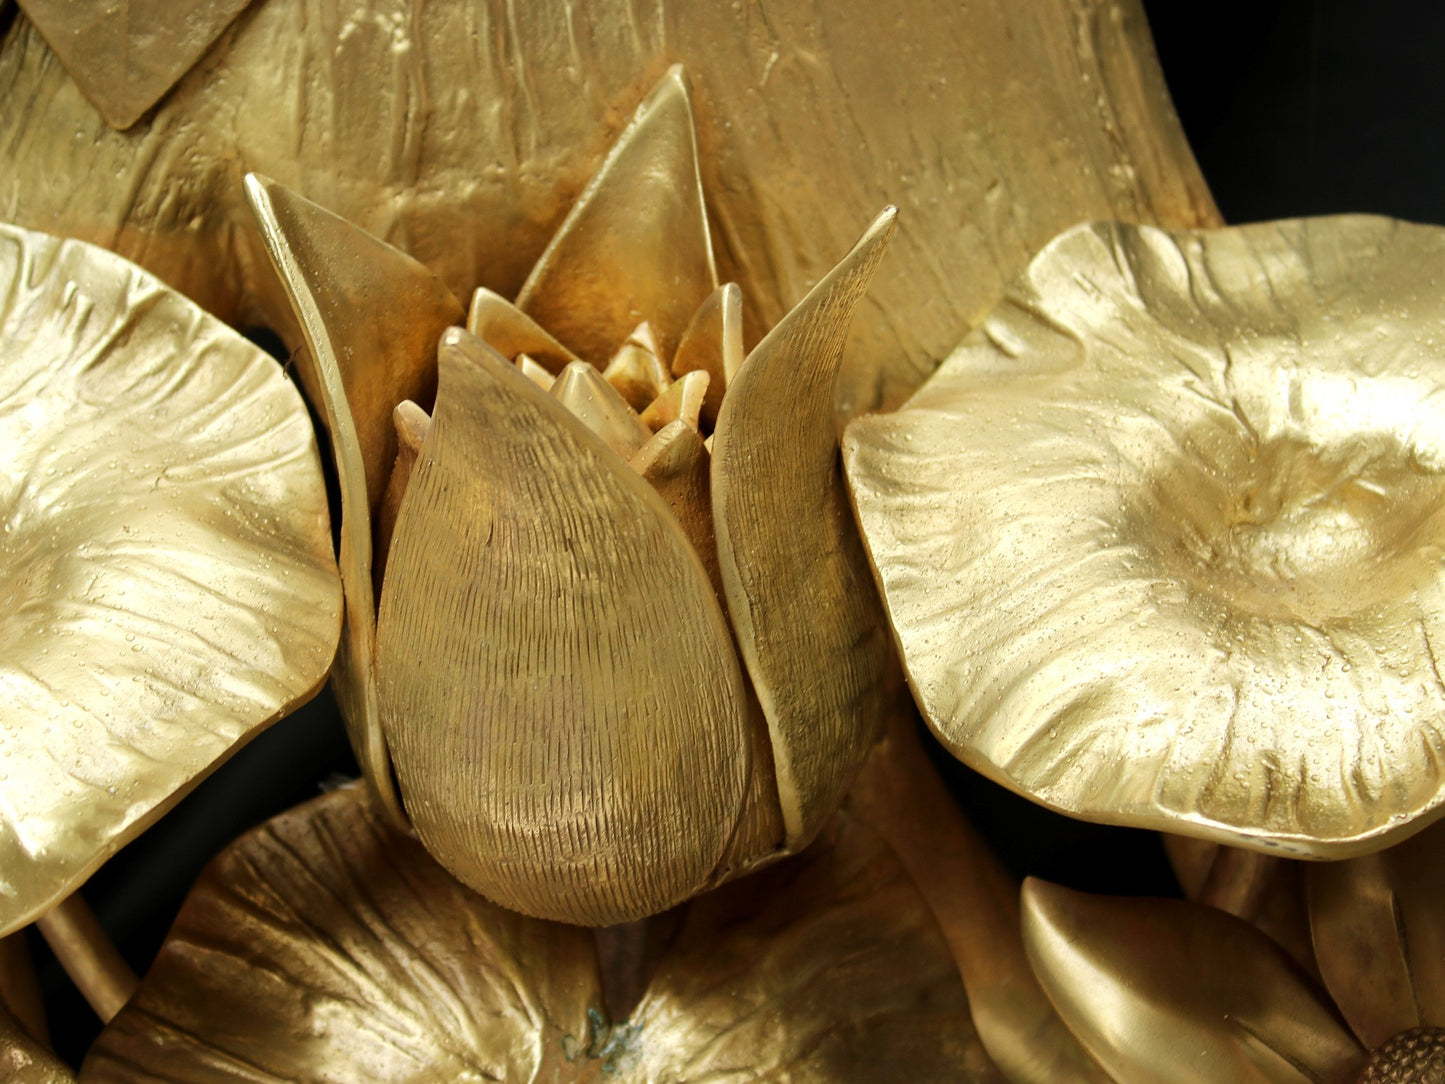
557	682
166	581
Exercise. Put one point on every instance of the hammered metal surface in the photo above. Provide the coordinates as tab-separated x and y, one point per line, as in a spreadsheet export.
462	133
166	581
1160	541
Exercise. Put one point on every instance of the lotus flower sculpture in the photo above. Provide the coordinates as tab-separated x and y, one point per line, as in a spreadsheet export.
554	676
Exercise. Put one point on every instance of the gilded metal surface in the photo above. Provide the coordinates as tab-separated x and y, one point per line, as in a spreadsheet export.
326	946
654	735
1160	539
1379	935
976	901
25	1061
371	317
84	949
463	132
549	703
807	619
166	581
1173	990
125	55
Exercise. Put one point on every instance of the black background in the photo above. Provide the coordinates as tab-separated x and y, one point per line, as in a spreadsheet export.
1292	109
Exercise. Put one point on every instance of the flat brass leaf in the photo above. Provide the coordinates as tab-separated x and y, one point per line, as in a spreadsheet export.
126	56
636	245
1160	540
807	619
1379	934
586	757
1173	990
371	317
327	946
167	588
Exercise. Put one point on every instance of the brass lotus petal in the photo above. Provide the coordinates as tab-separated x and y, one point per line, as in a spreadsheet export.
713	344
635	245
682	400
598	406
166	582
462	132
636	371
125	56
1159	540
24	1061
1379	935
1173	990
585	758
510	332
676	464
327	946
371	317
807	620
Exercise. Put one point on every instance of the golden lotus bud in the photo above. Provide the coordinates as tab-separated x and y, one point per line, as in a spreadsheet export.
1161	540
577	582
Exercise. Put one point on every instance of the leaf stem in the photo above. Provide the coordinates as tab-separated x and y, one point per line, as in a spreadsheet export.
88	956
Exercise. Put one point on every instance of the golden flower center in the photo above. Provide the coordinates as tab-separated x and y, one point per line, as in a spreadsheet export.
1414	1056
1287	530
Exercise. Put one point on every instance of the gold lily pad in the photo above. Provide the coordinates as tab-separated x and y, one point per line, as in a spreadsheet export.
462	134
126	55
807	619
1160	540
370	317
166	581
328	946
1173	990
585	757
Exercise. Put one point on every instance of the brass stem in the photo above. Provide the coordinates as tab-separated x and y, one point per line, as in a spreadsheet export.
88	956
1237	881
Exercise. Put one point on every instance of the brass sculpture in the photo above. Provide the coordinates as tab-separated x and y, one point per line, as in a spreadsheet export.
326	945
166	582
1172	987
553	675
1159	540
